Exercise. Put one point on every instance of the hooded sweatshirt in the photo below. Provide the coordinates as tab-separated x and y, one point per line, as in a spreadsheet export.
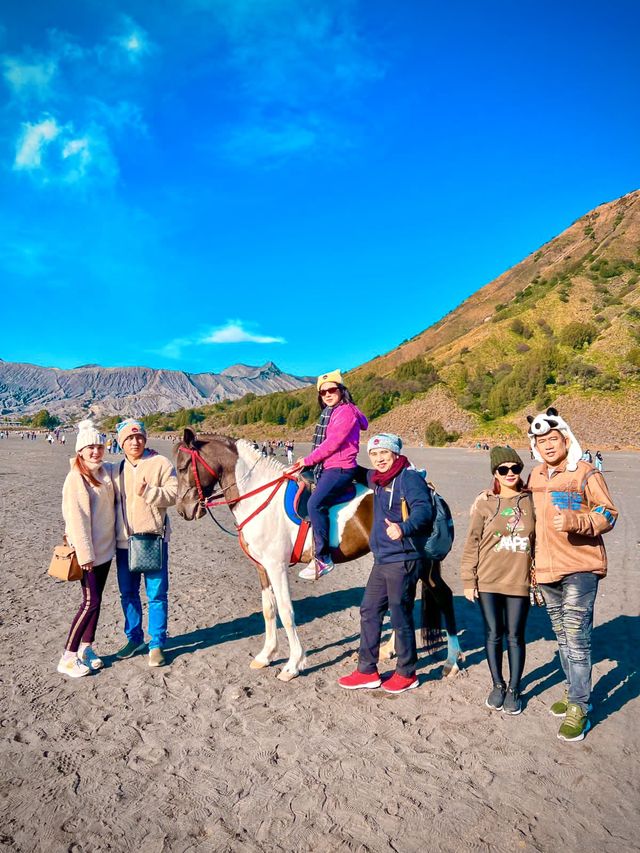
342	443
89	514
498	549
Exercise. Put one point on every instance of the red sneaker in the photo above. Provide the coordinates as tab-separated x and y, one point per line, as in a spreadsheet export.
357	680
399	683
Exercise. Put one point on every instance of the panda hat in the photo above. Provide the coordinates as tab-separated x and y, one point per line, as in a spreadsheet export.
546	422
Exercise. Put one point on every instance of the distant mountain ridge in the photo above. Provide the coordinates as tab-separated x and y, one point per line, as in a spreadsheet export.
134	391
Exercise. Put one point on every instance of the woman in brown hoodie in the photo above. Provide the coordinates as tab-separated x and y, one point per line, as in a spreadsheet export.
496	566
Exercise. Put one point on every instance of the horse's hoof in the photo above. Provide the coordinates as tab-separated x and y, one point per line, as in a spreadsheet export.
451	667
387	651
258	664
287	676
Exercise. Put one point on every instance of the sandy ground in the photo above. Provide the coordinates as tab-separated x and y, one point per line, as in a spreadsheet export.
208	755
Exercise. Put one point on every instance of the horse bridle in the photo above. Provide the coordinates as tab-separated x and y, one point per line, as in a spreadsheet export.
213	500
195	458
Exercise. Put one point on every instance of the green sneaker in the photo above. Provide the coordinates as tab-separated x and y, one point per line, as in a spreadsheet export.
559	708
131	649
576	724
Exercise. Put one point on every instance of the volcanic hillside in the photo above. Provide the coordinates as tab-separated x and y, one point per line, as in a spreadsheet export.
563	326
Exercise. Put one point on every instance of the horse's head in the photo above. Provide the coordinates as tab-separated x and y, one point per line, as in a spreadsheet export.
198	474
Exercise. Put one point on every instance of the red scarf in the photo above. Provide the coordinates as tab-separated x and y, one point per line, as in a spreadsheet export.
383	479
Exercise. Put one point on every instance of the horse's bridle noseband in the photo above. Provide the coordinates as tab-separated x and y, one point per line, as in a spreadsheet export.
195	458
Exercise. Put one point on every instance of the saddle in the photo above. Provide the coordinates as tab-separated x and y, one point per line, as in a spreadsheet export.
298	493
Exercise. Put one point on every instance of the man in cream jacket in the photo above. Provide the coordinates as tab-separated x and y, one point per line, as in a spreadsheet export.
145	484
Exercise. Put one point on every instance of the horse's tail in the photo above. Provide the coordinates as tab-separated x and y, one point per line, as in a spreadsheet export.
437	602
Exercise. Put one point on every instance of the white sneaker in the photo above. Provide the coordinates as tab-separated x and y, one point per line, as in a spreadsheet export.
73	668
90	658
310	573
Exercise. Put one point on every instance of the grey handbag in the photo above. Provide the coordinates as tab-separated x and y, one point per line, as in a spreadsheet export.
146	550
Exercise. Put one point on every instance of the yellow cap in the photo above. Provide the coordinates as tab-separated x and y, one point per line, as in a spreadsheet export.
332	376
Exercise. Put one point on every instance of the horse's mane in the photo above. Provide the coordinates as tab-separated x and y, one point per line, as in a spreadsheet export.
206	437
262	463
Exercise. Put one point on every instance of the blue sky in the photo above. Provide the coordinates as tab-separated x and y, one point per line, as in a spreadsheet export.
192	184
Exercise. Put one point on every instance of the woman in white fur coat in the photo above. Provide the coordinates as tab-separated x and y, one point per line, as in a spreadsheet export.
88	508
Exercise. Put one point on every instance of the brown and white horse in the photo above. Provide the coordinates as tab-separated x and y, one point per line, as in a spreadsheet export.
247	480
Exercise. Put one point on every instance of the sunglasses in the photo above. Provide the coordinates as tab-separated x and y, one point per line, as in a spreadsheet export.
503	470
325	391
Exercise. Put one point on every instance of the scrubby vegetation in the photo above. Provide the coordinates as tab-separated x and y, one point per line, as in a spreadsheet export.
41	420
437	436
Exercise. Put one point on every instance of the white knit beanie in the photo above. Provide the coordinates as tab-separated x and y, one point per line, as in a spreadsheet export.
88	434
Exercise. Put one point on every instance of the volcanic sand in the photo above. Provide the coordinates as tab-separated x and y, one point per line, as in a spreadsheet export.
209	755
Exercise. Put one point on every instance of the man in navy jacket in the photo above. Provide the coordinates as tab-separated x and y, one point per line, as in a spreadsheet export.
402	519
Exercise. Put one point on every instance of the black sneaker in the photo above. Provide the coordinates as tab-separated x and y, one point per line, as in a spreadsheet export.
130	649
495	699
512	702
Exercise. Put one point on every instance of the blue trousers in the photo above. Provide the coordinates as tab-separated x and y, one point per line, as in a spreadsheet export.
333	487
156	586
391	586
570	603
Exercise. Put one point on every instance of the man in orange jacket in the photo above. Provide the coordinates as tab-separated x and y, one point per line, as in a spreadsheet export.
573	509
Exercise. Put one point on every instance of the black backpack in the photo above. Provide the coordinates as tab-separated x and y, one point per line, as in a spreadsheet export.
439	542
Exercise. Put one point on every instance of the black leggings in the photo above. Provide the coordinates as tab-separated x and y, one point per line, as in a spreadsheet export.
505	615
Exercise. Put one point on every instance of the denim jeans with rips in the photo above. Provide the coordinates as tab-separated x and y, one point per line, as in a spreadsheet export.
156	585
570	603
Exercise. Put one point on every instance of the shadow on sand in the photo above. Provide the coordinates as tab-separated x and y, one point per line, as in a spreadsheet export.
617	641
307	610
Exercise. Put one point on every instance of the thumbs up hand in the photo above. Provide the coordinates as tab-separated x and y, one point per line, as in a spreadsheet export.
558	520
142	486
393	530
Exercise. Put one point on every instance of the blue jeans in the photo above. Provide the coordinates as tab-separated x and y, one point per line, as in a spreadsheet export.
157	586
570	604
333	487
391	586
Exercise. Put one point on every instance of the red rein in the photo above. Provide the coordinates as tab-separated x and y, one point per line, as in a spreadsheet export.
196	457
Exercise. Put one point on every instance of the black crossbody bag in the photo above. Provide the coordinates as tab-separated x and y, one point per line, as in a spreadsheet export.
146	550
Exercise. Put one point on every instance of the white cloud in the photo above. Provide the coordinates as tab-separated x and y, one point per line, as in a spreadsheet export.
174	348
29	79
33	140
234	333
73	141
129	46
55	154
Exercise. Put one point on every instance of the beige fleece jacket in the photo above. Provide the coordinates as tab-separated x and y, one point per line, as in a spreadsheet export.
89	515
145	513
498	549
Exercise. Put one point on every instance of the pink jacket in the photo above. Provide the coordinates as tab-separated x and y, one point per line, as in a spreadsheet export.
340	447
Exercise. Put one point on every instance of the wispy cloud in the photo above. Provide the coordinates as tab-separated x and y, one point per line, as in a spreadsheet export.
71	139
54	153
174	348
233	332
297	67
29	79
33	140
130	43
